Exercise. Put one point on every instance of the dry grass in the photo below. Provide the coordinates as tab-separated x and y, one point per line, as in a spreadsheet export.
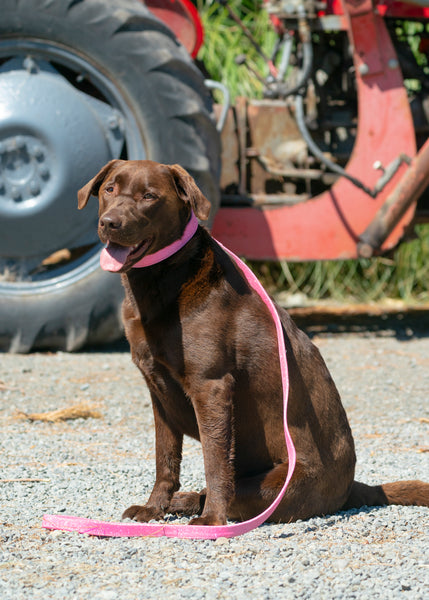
79	411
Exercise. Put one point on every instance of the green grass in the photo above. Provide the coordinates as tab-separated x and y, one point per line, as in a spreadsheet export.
402	276
224	41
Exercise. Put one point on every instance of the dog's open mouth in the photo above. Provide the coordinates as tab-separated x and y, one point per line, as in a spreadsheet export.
115	257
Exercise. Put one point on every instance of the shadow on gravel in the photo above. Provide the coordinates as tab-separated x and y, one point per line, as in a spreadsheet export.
120	345
333	520
412	324
404	326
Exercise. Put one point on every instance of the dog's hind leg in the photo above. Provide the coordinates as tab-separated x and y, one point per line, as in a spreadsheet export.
306	495
252	495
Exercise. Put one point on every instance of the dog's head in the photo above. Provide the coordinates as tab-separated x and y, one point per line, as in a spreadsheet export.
143	207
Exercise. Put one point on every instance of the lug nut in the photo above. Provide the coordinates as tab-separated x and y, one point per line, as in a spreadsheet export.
114	122
15	193
30	65
43	171
38	152
34	188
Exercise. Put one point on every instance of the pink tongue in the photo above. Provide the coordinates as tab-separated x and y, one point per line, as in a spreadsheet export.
113	258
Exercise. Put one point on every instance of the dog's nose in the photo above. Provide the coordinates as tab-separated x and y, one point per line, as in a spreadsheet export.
110	222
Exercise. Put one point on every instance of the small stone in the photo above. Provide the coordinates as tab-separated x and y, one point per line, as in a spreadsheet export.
221	540
55	533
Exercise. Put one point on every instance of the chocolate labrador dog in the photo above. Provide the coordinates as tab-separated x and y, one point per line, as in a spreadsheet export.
207	347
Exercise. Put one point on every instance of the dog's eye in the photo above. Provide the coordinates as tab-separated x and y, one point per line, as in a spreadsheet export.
109	189
149	196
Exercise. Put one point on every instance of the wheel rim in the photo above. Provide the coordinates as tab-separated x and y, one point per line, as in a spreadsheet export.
68	120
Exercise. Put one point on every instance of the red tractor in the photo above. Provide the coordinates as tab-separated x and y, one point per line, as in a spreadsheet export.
332	163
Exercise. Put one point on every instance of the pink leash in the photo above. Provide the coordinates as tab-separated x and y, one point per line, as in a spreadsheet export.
205	532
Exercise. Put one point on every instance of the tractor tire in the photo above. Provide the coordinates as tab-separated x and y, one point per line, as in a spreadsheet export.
73	75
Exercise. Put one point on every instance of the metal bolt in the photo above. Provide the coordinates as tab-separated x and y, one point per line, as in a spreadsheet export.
365	250
19	142
30	65
15	193
38	152
393	63
363	69
378	166
114	121
43	171
34	187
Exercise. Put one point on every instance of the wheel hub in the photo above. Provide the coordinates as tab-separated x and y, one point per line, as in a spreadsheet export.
53	139
24	167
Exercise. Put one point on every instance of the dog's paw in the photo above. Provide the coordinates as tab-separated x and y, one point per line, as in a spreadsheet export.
186	503
143	514
207	520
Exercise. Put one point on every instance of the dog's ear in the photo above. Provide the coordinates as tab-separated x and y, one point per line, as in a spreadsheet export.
92	187
188	191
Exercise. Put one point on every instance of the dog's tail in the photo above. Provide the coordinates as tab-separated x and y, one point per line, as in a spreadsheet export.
405	493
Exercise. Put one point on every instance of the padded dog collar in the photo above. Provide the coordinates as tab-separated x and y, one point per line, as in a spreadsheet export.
152	259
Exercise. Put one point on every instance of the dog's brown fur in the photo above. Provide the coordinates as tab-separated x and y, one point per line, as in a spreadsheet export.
206	345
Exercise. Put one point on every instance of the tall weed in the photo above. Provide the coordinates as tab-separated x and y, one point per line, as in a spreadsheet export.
403	276
224	41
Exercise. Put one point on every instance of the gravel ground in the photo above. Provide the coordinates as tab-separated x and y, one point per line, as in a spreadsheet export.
98	467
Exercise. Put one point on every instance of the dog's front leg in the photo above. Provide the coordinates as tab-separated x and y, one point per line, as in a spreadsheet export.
168	458
213	408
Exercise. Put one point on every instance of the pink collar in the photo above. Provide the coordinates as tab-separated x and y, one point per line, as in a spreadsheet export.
164	253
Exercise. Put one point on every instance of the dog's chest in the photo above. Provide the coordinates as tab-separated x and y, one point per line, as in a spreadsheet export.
165	383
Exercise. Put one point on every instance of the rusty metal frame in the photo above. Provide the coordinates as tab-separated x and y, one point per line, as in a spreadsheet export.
330	226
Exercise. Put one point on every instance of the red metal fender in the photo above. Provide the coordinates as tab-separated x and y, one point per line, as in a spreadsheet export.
386	8
183	19
329	225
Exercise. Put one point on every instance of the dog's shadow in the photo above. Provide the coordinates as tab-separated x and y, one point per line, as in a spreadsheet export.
412	323
313	525
404	326
339	519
